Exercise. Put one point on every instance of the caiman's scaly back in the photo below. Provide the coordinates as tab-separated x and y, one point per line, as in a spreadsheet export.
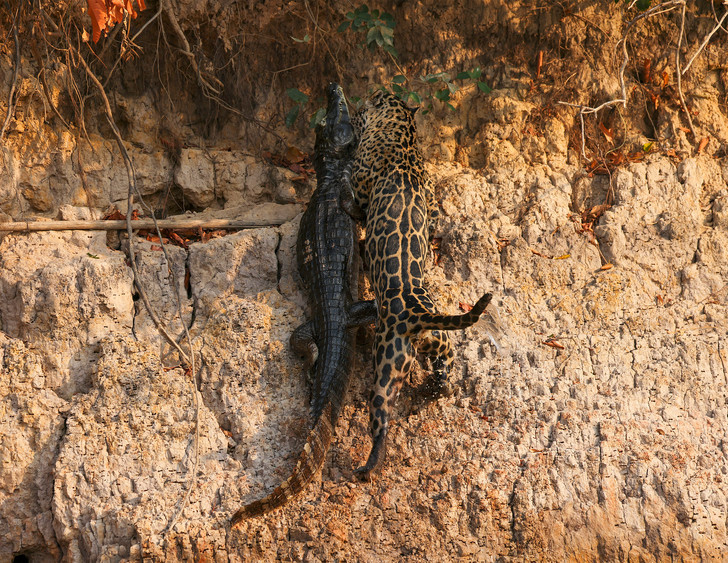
326	261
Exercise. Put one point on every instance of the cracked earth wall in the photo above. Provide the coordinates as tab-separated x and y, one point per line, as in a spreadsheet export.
594	431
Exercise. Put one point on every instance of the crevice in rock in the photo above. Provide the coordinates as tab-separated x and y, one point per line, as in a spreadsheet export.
512	506
278	261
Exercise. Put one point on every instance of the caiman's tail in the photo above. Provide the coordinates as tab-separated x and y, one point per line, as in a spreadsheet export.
431	321
309	463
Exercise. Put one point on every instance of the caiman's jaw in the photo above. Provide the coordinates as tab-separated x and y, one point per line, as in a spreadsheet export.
337	125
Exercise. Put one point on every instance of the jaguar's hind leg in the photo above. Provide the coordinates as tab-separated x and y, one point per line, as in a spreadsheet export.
436	346
393	355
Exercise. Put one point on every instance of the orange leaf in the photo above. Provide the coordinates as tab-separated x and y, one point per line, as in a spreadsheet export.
465	307
551	342
607	132
607	267
294	155
178	239
99	17
106	13
703	144
646	68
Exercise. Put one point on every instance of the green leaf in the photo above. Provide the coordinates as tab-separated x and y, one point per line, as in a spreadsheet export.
484	87
306	38
296	95
475	73
292	115
386	32
414	96
462	76
354	99
391	50
372	35
452	87
363	9
388	20
375	14
432	78
317	117
343	27
350	15
399	79
397	89
452	107
643	4
443	95
647	146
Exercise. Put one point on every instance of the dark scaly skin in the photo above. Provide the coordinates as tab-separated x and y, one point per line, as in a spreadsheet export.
392	188
326	261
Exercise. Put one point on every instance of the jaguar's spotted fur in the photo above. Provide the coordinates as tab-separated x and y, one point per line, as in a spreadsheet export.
394	192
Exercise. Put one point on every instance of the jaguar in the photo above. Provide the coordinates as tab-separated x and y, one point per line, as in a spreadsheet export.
394	195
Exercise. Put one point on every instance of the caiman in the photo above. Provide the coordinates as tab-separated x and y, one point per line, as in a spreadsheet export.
327	261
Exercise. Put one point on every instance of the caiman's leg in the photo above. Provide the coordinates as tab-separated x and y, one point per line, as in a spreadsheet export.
436	345
346	200
362	313
393	356
303	343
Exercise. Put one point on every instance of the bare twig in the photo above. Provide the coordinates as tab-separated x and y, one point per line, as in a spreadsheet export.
718	26
186	51
11	97
154	17
715	15
655	10
24	226
583	110
679	74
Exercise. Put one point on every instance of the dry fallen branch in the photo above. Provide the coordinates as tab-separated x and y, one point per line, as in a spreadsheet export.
101	225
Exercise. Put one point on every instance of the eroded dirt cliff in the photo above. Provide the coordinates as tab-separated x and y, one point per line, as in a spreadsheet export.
595	430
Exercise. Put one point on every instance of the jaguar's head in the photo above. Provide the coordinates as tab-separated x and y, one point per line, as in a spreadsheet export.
382	107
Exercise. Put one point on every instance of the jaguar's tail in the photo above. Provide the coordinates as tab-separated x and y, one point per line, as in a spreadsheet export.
432	321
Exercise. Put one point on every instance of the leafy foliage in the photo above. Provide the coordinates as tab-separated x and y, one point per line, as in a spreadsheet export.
378	26
435	86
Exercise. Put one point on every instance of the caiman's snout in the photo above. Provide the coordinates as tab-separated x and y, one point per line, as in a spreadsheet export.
337	122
